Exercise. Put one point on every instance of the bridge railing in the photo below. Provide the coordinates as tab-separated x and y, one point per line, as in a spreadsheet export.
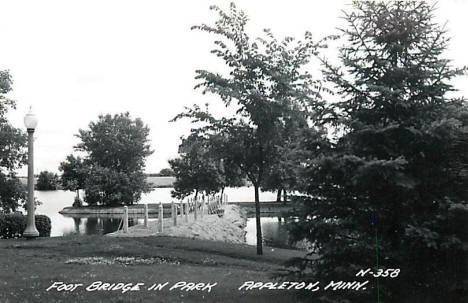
183	210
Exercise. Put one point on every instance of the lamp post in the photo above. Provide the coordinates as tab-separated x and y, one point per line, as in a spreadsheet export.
30	121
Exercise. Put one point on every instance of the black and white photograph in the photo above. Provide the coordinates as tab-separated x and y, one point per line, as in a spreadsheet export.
234	151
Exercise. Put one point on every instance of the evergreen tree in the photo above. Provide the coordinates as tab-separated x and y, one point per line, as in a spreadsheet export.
386	194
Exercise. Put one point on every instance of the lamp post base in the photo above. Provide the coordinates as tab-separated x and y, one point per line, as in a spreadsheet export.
30	233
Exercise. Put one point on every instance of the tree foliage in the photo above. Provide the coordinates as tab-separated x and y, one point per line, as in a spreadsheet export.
108	186
47	181
392	176
166	172
111	173
12	152
264	81
196	170
74	172
117	142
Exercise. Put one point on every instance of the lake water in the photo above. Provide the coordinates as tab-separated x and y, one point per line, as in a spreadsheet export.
274	232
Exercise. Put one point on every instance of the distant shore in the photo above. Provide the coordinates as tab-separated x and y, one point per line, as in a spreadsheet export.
154	182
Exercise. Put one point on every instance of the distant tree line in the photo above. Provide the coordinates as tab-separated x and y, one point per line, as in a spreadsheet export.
165	172
47	181
72	179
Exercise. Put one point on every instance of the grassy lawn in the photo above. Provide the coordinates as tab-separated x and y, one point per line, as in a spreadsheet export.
29	267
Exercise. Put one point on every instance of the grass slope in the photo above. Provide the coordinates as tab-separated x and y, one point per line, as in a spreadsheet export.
29	267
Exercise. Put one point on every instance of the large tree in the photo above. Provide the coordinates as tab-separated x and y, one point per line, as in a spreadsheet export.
264	79
385	194
12	152
116	148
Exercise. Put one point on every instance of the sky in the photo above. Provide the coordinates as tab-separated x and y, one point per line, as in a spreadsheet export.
74	60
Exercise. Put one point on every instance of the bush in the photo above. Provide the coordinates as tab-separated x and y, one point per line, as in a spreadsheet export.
43	225
78	202
13	225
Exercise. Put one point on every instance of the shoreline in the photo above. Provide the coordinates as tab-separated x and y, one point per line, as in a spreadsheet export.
153	208
267	208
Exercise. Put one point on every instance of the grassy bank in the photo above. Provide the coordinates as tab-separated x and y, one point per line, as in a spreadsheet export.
29	267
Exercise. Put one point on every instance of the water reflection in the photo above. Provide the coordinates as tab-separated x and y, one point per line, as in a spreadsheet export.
77	224
97	226
54	201
274	232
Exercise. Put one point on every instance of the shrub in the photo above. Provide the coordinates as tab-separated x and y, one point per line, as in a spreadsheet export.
78	202
13	225
43	225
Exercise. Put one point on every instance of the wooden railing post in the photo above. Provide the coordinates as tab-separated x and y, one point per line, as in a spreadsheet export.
210	204
195	209
174	213
161	215
125	220
202	207
146	215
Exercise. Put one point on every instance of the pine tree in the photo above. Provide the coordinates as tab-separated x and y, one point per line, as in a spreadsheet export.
384	195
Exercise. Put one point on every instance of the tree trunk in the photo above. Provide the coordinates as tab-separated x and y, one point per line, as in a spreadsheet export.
257	220
278	195
285	196
196	194
78	193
